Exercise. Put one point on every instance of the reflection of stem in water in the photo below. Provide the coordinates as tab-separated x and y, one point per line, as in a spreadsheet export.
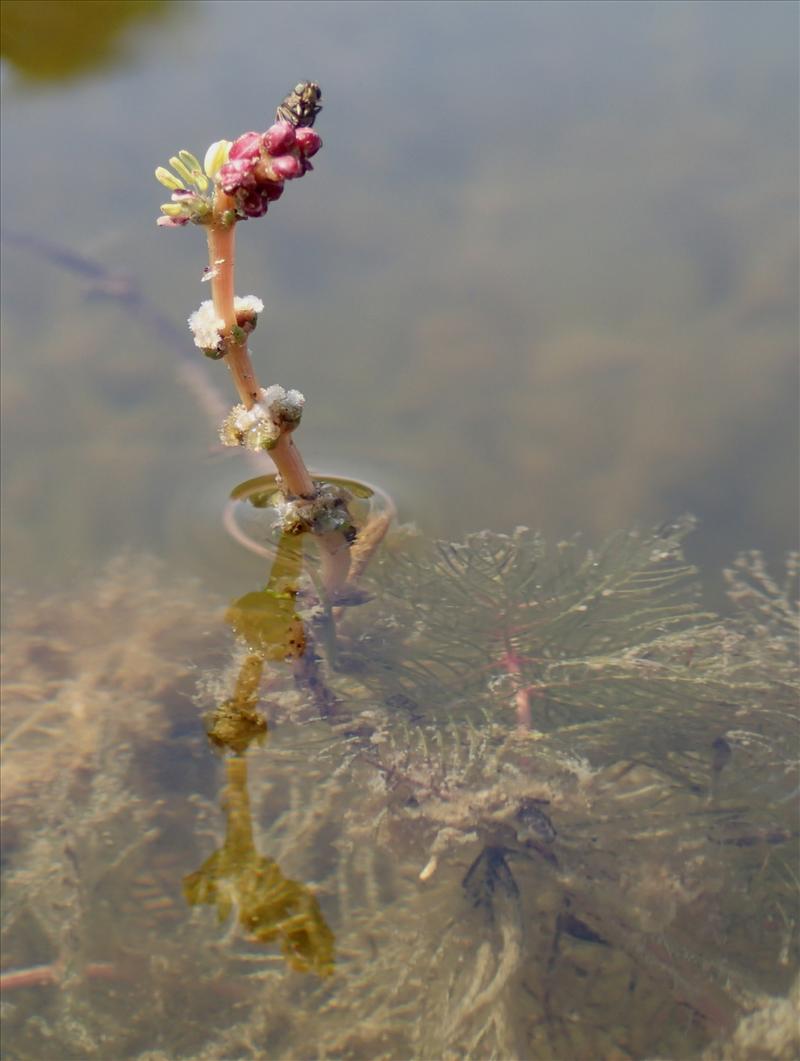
270	906
267	622
236	723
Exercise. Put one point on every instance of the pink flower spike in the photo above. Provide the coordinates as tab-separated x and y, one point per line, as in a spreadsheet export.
271	190
253	203
308	141
235	175
247	146
279	138
287	167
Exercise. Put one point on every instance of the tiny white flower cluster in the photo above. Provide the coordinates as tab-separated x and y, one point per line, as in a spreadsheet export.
206	326
260	427
248	302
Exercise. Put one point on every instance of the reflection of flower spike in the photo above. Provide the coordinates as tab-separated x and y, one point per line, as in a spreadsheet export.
270	906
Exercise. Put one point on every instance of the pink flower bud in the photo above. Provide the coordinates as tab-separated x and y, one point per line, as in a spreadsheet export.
247	146
172	222
279	138
253	203
287	167
272	190
235	175
308	141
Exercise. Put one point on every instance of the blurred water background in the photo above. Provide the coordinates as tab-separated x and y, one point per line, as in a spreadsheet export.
545	271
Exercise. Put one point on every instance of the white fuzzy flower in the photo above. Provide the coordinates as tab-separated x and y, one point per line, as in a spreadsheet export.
206	326
248	302
272	394
294	401
260	426
283	405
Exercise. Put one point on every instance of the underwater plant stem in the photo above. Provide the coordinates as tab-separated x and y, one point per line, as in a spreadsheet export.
511	665
46	975
334	551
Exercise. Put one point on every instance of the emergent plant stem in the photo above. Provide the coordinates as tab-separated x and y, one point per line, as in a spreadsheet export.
221	261
334	549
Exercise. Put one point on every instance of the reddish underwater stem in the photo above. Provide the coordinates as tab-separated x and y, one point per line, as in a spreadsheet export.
511	665
47	975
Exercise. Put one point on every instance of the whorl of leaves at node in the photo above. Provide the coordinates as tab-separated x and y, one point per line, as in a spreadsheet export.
611	648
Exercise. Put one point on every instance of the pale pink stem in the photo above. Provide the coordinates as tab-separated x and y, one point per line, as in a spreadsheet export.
334	549
221	261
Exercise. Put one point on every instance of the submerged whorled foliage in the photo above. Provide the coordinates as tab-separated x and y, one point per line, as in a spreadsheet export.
545	804
573	726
